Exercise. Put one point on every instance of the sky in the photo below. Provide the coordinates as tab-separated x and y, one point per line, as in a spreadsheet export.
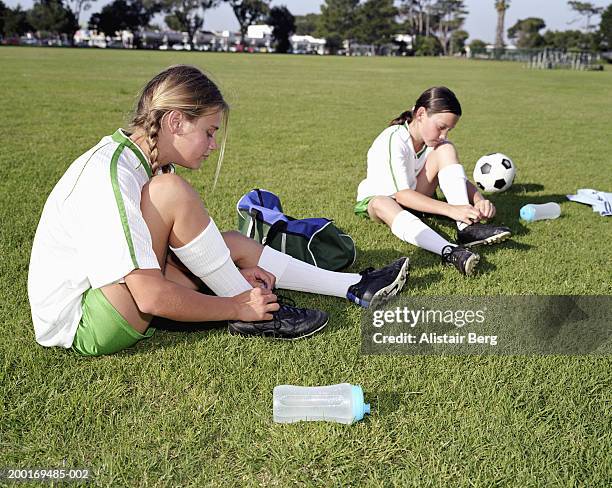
480	22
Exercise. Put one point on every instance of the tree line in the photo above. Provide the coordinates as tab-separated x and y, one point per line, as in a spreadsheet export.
435	26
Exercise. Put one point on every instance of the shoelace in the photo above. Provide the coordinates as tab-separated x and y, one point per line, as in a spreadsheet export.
448	256
284	302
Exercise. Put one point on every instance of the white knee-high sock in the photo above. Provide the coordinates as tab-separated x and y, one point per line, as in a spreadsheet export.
452	181
293	274
411	229
208	257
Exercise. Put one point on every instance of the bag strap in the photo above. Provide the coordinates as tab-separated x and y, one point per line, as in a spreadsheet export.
275	229
260	196
253	224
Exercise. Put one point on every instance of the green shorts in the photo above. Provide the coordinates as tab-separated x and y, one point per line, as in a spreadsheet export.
361	207
102	330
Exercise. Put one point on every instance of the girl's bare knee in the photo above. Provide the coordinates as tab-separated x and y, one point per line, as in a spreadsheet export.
377	207
232	236
444	153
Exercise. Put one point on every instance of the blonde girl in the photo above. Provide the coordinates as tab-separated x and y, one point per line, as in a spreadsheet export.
120	225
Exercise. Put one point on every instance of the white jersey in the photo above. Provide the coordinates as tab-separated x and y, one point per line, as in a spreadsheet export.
393	164
91	234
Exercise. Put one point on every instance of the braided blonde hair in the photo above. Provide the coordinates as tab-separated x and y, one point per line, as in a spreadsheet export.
183	88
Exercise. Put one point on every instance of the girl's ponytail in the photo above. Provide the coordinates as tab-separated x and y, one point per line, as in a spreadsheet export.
404	117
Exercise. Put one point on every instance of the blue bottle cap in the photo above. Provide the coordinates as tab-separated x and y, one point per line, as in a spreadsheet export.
528	212
359	407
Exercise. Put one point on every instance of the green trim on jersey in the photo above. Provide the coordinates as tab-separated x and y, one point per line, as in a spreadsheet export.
390	165
120	204
420	153
119	137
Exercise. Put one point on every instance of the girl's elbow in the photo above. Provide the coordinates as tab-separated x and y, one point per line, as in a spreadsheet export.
149	300
146	305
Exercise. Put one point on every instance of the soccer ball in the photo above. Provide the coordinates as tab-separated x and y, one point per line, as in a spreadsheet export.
494	172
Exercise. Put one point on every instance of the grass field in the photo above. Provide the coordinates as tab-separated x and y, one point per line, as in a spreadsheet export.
195	409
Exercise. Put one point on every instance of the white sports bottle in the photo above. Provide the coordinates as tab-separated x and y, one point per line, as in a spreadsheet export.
341	403
543	211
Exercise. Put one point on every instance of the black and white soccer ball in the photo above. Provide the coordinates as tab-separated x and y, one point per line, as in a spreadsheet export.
494	172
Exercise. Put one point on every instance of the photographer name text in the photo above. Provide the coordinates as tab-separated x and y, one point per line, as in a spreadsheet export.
412	318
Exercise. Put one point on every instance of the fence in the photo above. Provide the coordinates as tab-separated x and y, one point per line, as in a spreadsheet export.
553	59
547	58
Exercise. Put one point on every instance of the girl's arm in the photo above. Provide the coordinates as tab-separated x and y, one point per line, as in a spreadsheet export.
421	203
412	199
486	208
155	295
473	194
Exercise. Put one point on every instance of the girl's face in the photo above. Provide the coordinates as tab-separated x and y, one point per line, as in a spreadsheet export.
434	128
192	141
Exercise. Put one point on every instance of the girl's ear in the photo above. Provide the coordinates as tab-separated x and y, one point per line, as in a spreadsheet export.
420	113
174	119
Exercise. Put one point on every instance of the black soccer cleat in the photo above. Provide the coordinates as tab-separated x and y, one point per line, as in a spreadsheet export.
477	233
288	323
378	286
462	259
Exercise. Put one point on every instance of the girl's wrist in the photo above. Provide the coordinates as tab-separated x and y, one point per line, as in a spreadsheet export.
448	208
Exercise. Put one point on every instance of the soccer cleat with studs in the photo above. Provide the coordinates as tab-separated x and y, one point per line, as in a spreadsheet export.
288	323
462	259
377	286
477	233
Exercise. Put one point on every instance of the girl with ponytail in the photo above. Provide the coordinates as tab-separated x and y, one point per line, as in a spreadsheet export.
407	162
123	239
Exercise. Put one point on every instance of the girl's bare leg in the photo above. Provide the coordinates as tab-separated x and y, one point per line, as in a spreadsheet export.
175	215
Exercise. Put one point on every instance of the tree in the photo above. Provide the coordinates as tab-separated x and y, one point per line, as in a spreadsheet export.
174	23
458	39
78	6
427	46
15	22
186	15
307	25
450	17
283	26
605	28
573	40
478	47
122	15
248	12
51	16
501	6
337	22
375	22
3	11
586	10
527	32
417	15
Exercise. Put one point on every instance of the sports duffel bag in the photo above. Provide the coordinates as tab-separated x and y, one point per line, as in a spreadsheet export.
316	241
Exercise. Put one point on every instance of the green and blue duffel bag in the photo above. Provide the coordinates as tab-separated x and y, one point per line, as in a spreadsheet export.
316	241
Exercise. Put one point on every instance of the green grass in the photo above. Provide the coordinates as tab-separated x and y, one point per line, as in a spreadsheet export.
195	409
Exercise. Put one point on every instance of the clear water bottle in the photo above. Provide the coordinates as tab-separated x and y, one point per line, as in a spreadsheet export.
533	212
341	403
